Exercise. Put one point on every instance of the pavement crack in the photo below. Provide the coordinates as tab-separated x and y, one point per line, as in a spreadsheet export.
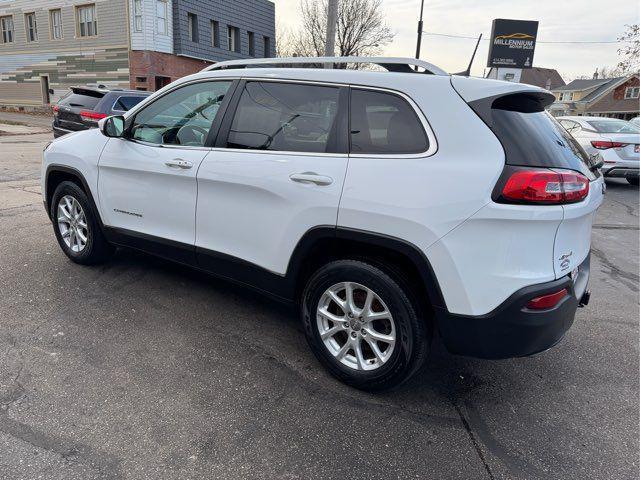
474	441
615	227
629	279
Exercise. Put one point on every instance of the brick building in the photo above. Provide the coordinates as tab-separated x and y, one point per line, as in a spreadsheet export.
46	46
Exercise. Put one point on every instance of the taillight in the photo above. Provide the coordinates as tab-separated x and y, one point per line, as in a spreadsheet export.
91	115
605	145
545	187
55	108
547	301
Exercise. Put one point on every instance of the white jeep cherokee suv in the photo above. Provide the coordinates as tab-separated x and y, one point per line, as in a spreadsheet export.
390	206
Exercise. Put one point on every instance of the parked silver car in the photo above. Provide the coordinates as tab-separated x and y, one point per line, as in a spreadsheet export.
617	141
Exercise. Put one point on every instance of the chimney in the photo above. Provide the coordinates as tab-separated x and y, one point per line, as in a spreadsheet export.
548	84
595	74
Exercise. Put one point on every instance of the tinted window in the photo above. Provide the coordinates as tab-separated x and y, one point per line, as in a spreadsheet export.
124	104
614	126
86	100
385	123
285	117
536	139
181	117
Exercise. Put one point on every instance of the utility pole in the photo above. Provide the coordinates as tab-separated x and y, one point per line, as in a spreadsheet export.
420	27
332	20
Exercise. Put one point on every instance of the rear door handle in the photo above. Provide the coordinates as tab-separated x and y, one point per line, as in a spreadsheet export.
178	163
311	177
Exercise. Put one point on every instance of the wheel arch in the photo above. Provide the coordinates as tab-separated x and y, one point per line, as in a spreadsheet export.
56	174
396	256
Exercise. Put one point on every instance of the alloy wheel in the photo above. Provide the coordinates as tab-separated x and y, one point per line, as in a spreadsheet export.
72	224
356	326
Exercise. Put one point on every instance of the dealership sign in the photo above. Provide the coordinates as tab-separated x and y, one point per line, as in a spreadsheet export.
512	43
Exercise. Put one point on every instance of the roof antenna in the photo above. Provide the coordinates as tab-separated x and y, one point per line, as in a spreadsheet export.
467	72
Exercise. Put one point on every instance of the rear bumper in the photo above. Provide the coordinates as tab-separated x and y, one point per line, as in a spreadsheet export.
512	330
620	172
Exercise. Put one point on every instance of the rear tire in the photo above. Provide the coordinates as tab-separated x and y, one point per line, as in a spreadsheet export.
633	180
375	342
77	227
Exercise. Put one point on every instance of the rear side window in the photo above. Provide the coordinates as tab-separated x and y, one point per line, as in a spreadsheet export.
86	99
124	104
536	139
285	117
613	126
384	123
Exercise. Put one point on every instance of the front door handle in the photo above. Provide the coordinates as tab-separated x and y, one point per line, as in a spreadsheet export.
178	163
311	177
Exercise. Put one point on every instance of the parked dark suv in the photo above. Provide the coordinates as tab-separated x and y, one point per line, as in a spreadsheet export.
81	108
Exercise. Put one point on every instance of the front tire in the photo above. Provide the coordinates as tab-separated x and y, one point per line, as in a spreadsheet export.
76	226
634	180
362	326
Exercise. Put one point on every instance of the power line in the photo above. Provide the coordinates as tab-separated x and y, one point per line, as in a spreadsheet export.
486	39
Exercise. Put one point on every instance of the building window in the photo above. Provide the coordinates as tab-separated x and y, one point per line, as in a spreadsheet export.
632	92
215	33
252	44
192	24
55	24
87	25
162	19
6	25
31	27
233	38
267	47
137	15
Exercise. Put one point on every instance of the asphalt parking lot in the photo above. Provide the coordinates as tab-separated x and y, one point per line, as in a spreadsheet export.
141	369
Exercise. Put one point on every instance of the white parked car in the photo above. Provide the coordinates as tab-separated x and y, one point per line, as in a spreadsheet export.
617	141
635	121
389	206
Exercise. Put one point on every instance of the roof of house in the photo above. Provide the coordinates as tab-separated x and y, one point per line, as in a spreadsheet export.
583	84
542	77
601	89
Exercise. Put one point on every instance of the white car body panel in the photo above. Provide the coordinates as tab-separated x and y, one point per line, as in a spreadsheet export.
249	207
137	191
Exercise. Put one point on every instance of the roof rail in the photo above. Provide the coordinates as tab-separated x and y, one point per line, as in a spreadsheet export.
392	64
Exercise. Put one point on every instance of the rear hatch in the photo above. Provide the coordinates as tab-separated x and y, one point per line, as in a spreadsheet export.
67	113
535	144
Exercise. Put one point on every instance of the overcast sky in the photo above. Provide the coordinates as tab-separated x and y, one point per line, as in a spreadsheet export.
560	20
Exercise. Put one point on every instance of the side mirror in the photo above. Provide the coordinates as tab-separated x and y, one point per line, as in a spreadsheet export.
51	92
112	126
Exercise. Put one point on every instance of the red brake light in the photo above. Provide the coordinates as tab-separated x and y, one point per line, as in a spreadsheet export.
55	108
545	187
91	115
605	145
547	301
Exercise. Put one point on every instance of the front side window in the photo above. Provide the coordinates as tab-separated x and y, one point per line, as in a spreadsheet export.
55	24
384	123
6	26
181	117
31	27
285	117
137	15
87	25
162	26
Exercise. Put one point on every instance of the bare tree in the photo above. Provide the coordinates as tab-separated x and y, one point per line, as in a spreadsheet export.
630	51
361	29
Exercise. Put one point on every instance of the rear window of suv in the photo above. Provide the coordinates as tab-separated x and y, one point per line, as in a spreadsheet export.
82	99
